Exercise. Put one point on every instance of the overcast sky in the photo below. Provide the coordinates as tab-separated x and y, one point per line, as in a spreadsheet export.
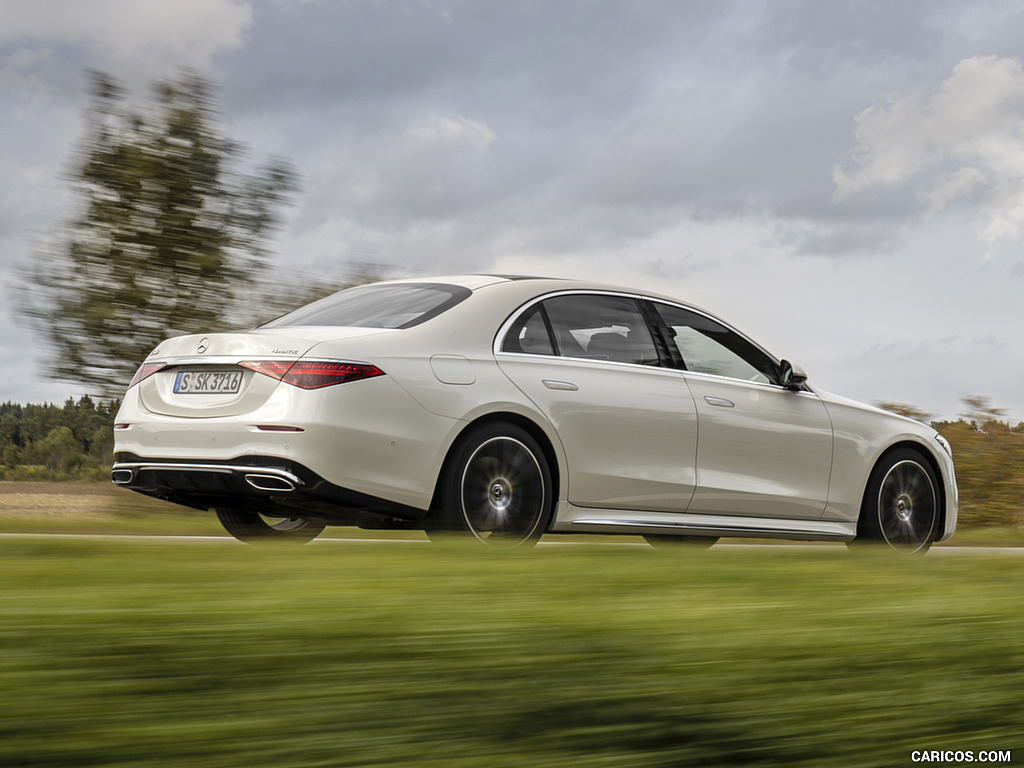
843	181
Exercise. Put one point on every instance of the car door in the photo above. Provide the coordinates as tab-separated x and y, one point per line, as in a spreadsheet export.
628	427
763	450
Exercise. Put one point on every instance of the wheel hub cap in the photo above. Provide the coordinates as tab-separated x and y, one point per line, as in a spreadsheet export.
501	493
904	507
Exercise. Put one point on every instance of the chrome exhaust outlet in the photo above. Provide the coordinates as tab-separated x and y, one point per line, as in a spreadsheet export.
271	483
122	476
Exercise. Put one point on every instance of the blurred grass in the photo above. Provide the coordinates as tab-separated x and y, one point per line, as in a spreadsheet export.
103	508
158	653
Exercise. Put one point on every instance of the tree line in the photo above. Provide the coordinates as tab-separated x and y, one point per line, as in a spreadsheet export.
988	457
53	442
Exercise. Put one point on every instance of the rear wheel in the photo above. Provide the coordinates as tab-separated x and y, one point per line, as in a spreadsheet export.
901	506
497	488
251	527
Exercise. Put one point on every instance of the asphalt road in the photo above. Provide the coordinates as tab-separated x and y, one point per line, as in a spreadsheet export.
941	551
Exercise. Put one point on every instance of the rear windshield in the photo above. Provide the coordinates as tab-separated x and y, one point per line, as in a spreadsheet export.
378	306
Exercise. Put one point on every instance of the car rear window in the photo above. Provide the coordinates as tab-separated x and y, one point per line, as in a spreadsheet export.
400	305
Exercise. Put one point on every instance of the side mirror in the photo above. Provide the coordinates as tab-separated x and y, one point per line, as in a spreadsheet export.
790	376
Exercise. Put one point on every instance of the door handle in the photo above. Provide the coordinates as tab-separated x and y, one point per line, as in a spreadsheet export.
721	402
568	386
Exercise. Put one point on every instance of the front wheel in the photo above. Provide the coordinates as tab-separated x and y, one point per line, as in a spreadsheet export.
251	527
901	506
497	488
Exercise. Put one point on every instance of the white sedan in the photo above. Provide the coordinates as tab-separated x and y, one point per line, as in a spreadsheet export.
503	408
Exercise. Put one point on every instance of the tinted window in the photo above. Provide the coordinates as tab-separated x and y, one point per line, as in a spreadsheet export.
378	306
709	347
529	334
600	328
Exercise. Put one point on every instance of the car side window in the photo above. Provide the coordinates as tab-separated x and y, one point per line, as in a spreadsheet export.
599	327
529	334
707	346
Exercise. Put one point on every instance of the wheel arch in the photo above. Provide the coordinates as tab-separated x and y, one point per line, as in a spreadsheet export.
922	451
531	427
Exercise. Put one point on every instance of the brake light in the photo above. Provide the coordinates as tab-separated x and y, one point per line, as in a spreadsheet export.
145	371
313	374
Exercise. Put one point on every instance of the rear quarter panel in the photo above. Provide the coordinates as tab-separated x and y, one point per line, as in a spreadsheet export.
447	367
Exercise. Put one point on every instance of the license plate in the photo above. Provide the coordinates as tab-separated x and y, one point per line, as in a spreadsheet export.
207	382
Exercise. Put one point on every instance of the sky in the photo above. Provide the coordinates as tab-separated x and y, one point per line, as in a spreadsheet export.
842	181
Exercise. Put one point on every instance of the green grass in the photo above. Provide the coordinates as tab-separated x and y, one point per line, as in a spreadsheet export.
161	653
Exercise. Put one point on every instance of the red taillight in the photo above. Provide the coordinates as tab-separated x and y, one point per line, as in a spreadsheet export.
313	374
145	371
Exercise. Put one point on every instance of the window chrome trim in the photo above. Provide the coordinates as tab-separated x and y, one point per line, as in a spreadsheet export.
499	337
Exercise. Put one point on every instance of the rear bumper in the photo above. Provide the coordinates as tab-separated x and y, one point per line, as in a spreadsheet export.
265	485
267	479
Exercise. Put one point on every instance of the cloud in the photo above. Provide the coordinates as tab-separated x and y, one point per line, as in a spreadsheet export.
128	37
459	129
961	142
950	186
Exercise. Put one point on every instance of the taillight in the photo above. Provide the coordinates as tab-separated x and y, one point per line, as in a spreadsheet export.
313	374
145	371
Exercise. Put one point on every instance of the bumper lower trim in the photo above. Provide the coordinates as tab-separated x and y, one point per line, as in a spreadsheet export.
261	478
267	485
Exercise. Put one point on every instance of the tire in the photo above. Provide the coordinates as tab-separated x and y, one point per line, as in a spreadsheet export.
497	488
666	541
252	528
902	506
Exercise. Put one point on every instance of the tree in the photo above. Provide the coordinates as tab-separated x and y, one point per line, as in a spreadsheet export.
169	235
58	450
980	412
910	411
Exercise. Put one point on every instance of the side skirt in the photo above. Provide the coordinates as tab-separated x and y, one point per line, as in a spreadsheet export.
572	519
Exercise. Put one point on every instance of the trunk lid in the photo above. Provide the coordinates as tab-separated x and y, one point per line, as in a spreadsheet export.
202	378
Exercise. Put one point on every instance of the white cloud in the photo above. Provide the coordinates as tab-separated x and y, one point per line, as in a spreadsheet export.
951	186
130	35
445	129
973	121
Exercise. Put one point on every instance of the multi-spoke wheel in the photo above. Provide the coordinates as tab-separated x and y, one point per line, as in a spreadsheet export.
251	527
684	542
497	488
901	506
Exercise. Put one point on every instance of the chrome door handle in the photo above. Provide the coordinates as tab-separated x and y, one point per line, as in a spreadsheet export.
721	402
568	386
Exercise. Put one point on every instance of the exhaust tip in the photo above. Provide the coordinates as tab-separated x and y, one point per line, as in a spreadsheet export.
122	476
269	483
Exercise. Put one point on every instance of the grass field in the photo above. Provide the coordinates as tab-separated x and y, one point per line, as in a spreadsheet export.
131	652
